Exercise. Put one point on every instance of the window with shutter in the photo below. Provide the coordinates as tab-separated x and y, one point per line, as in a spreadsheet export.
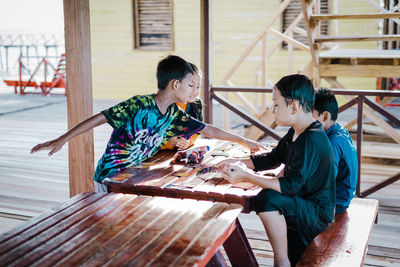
153	24
291	13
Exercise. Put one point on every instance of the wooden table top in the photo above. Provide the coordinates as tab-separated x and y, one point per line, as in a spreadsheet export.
118	229
157	177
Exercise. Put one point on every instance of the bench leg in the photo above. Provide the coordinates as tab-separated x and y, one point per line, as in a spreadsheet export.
217	261
238	249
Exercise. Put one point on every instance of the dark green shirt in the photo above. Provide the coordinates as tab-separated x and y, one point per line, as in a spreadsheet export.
309	174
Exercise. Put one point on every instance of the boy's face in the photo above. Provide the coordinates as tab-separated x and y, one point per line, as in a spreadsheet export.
196	86
184	88
283	113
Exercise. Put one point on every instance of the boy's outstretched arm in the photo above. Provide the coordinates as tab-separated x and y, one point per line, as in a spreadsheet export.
214	132
84	126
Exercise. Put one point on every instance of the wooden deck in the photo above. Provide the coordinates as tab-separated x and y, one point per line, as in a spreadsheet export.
32	184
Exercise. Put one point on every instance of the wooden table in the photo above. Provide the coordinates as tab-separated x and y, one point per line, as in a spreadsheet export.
100	229
157	177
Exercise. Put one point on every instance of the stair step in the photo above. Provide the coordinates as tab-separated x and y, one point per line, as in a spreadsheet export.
389	37
356	16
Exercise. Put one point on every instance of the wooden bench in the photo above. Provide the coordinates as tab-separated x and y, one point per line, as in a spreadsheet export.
345	242
21	84
97	229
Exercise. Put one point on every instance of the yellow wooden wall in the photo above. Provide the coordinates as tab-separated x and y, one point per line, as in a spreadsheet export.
119	71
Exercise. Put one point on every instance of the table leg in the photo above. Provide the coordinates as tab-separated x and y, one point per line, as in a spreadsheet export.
238	249
217	261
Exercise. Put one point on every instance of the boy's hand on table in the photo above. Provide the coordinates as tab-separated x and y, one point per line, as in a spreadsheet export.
220	166
53	145
233	172
254	146
179	142
173	141
182	143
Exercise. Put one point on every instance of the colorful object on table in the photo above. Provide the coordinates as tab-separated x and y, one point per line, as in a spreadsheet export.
193	155
206	170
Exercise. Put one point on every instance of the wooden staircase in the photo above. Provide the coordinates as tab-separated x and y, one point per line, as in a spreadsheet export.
359	63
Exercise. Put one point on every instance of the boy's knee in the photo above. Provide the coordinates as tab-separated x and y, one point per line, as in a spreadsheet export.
267	200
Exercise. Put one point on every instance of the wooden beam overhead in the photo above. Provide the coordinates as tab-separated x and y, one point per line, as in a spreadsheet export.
79	93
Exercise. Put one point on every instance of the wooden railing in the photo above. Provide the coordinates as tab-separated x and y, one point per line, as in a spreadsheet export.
361	98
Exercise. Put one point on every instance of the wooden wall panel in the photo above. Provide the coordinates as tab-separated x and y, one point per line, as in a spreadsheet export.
120	71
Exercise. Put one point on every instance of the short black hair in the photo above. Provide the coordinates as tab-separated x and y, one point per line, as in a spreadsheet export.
297	87
195	69
193	66
171	68
325	100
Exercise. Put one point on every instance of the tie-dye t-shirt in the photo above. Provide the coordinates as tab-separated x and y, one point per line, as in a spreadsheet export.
140	130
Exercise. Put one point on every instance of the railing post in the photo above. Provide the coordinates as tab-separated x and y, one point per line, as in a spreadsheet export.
45	77
359	140
20	75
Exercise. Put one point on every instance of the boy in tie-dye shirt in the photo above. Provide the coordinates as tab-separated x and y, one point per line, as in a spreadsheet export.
140	130
142	124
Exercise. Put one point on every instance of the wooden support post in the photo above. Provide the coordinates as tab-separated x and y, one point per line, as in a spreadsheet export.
206	57
79	97
290	54
306	9
264	62
359	140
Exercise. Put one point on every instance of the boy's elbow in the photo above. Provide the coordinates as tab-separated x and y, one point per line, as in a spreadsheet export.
100	118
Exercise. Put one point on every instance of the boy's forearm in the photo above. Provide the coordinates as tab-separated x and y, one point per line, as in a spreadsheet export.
264	182
214	132
84	126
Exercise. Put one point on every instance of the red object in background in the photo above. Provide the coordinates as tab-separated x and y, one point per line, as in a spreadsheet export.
58	81
394	85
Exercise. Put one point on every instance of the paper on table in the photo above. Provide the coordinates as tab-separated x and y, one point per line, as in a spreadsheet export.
119	178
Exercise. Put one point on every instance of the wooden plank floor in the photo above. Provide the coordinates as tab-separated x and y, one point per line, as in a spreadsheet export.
32	184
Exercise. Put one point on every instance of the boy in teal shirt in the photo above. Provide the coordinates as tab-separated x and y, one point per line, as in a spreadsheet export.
346	163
